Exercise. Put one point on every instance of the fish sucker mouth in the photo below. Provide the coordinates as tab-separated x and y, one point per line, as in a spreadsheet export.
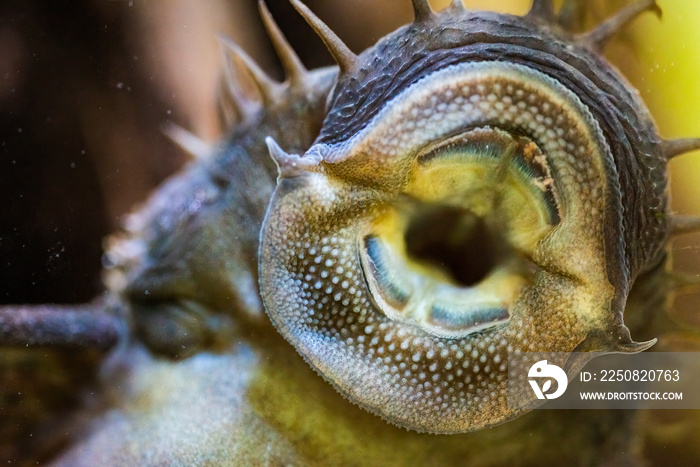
409	302
467	222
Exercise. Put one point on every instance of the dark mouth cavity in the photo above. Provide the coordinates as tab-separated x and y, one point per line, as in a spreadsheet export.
455	241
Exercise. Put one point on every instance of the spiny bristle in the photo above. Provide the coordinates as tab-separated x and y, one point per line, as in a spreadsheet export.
422	11
235	95
572	15
269	89
344	57
235	107
543	10
678	224
293	68
675	147
599	37
290	165
633	347
228	114
187	141
457	5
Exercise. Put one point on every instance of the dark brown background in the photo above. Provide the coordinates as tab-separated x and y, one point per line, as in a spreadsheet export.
85	89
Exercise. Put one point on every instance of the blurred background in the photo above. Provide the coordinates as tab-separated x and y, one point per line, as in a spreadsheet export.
86	88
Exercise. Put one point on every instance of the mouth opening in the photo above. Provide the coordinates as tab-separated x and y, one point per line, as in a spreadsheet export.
455	258
455	241
446	268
